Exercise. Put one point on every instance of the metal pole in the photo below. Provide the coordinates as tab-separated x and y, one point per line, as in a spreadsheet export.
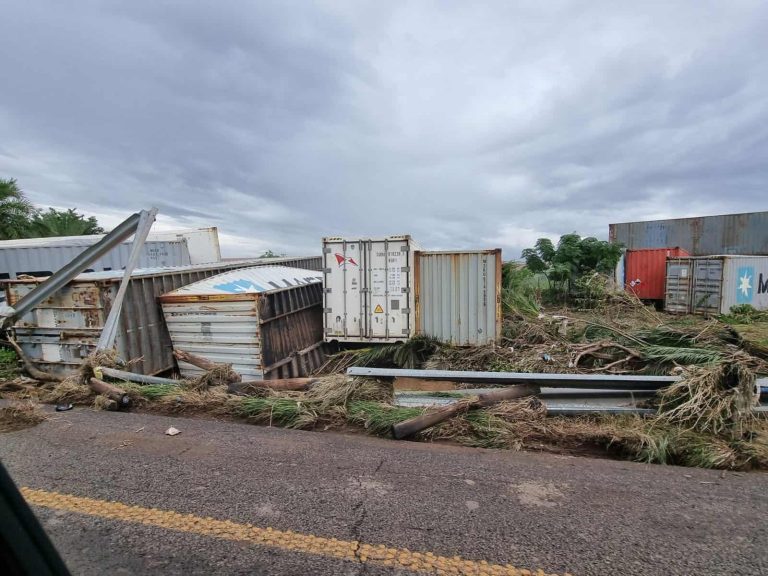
109	332
591	381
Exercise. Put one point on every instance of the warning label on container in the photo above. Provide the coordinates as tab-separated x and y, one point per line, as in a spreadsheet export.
378	309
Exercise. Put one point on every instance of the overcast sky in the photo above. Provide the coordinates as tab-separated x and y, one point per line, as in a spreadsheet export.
465	124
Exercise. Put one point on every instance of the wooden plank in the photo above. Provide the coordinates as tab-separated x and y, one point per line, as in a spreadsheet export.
406	383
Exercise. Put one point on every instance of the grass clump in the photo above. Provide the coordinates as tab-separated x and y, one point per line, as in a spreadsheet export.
19	416
378	418
712	399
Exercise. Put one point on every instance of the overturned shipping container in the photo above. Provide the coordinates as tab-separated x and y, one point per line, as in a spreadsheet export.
368	286
458	296
62	330
266	321
711	285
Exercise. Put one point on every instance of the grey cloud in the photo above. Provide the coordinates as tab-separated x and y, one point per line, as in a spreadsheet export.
462	124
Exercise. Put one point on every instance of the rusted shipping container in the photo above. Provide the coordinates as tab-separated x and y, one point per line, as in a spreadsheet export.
744	234
62	330
266	322
646	270
458	296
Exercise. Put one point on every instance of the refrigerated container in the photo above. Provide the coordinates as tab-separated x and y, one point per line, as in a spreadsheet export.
265	321
458	296
368	289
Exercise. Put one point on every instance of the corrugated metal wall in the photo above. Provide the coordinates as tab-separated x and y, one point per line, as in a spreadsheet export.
291	322
702	236
458	296
64	329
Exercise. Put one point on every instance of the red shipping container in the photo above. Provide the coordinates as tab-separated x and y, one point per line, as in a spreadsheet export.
646	271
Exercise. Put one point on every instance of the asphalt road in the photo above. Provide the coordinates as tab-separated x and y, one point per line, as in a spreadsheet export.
277	487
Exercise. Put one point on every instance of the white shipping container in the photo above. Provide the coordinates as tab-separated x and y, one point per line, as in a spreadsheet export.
719	283
368	289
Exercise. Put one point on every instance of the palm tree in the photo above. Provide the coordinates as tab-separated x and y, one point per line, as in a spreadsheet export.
15	211
58	223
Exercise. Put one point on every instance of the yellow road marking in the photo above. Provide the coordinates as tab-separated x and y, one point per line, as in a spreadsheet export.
282	539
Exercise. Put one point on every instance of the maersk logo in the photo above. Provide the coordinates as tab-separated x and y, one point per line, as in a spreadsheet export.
745	285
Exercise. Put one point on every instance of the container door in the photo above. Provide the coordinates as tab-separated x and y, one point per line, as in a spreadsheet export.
707	286
388	264
677	297
343	279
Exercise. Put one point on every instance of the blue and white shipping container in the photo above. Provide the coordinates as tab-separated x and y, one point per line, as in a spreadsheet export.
265	321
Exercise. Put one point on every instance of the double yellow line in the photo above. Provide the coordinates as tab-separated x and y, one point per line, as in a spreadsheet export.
286	540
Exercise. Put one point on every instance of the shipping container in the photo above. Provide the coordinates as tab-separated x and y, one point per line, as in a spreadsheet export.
266	322
743	234
368	287
458	296
646	270
202	243
65	328
44	256
718	283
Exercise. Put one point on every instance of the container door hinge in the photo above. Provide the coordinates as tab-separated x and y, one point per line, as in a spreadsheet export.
327	270
328	290
327	250
406	310
405	269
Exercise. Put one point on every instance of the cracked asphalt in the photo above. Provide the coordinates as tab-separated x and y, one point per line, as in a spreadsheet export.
535	511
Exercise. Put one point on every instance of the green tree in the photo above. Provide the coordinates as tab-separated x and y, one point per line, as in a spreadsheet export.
63	223
15	211
573	257
270	254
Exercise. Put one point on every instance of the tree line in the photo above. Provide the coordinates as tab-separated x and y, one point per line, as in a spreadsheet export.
19	218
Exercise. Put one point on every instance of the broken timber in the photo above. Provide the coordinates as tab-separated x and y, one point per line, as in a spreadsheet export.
413	425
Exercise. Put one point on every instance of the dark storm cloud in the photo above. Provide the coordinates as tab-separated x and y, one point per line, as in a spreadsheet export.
462	124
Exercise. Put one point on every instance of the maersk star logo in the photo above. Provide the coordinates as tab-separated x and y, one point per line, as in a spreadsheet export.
744	285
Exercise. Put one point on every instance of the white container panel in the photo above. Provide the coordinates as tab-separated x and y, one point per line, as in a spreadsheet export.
389	265
225	332
202	243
